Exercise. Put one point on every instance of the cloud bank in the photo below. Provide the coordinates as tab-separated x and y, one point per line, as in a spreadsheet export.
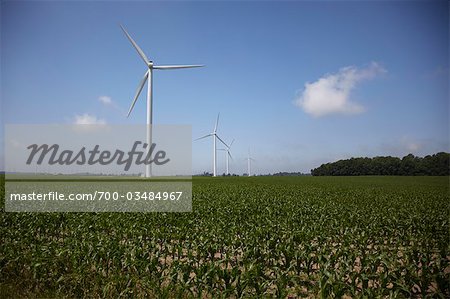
331	93
105	100
87	119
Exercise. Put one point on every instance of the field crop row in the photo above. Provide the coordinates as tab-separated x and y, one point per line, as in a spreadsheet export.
246	237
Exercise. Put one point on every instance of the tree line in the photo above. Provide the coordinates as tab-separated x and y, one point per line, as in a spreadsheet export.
437	164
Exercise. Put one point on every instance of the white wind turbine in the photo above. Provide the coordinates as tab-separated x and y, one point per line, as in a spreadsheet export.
214	135
227	150
149	76
249	163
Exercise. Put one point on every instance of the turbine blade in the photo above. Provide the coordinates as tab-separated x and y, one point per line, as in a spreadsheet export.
139	50
230	155
138	92
217	123
221	140
203	137
173	67
231	144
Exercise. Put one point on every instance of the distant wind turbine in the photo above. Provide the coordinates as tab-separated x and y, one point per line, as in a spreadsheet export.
249	163
214	135
227	150
149	76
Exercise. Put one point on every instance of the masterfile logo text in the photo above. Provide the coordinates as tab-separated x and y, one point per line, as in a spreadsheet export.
98	149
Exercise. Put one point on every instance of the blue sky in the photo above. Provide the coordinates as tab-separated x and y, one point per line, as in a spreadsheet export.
299	83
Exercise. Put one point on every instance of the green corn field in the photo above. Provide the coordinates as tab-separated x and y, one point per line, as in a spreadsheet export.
287	237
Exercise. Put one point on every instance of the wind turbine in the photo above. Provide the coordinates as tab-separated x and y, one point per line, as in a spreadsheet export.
148	76
227	150
214	135
249	162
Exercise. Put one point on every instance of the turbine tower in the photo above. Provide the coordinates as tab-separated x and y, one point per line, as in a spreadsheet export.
227	150
214	135
148	76
249	163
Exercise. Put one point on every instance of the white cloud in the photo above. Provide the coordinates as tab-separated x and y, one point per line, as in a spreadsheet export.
404	145
105	100
417	146
331	93
15	143
87	119
410	145
413	147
